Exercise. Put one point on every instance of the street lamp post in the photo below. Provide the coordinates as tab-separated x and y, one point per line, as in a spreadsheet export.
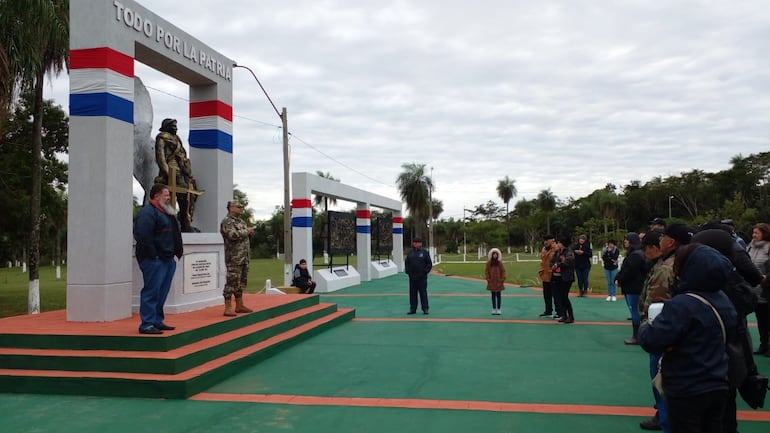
669	206
287	246
464	251
430	216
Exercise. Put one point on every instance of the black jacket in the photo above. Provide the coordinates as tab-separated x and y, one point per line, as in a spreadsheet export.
418	263
610	258
745	275
301	277
633	271
563	264
583	261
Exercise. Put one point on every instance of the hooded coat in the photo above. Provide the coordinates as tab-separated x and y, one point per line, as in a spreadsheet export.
688	333
633	270
494	271
745	275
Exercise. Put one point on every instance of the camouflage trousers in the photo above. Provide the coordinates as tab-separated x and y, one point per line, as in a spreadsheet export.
236	280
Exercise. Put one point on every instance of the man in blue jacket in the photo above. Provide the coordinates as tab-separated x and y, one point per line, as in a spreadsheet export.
158	240
418	265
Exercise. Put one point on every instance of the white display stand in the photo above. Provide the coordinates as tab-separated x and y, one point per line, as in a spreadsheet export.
383	268
335	279
199	278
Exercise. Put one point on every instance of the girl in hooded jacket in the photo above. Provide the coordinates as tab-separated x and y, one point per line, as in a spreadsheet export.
494	271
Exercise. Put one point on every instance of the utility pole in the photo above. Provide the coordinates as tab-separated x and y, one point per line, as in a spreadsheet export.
287	245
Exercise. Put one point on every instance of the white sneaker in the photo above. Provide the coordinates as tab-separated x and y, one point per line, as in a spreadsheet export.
499	311
614	299
494	311
609	298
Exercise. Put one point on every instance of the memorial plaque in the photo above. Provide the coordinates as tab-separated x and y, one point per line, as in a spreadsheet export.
342	233
200	272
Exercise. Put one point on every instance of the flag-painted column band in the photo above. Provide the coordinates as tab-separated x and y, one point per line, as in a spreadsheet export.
302	213
302	232
102	83
398	225
398	242
363	221
364	240
211	125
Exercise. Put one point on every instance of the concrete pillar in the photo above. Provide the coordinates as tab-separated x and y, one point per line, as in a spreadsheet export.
99	238
211	152
398	241
302	232
364	240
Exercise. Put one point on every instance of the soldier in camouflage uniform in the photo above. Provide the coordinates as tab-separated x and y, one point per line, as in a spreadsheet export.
236	237
658	287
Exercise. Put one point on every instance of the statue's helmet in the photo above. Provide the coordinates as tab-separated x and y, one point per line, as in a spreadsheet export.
166	125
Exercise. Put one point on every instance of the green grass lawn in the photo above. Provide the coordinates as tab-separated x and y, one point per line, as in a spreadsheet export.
14	284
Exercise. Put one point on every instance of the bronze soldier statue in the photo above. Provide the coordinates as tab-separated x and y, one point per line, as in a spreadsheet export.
172	157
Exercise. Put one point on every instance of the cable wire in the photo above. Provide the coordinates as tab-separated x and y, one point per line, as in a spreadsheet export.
340	162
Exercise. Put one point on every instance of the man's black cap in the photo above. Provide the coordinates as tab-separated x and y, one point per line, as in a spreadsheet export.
417	239
651	238
659	221
548	237
679	232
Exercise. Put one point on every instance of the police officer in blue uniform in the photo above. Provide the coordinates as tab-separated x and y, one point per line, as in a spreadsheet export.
417	266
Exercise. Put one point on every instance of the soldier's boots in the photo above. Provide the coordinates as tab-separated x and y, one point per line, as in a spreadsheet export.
229	307
240	308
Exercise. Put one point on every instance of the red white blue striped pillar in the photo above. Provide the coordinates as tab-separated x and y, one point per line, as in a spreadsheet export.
100	189
211	153
398	240
364	240
301	233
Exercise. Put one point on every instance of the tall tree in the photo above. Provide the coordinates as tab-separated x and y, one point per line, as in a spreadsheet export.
325	199
547	203
506	190
321	198
35	37
16	173
413	186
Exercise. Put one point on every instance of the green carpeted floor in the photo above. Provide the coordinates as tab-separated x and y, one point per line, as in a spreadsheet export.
458	352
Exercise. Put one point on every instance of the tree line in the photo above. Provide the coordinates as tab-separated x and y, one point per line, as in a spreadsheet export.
740	192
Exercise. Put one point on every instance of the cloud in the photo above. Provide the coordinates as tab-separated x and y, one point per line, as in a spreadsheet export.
561	95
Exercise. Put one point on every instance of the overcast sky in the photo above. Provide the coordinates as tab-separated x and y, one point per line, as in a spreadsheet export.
563	95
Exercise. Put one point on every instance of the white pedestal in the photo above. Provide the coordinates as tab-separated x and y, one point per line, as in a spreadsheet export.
383	268
339	278
199	278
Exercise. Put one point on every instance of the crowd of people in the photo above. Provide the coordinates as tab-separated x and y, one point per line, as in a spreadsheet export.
688	292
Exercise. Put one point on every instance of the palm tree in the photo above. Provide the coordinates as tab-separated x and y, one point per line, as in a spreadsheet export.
35	38
320	198
413	186
506	190
547	202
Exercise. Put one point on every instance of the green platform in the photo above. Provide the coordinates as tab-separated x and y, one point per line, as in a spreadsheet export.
458	352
